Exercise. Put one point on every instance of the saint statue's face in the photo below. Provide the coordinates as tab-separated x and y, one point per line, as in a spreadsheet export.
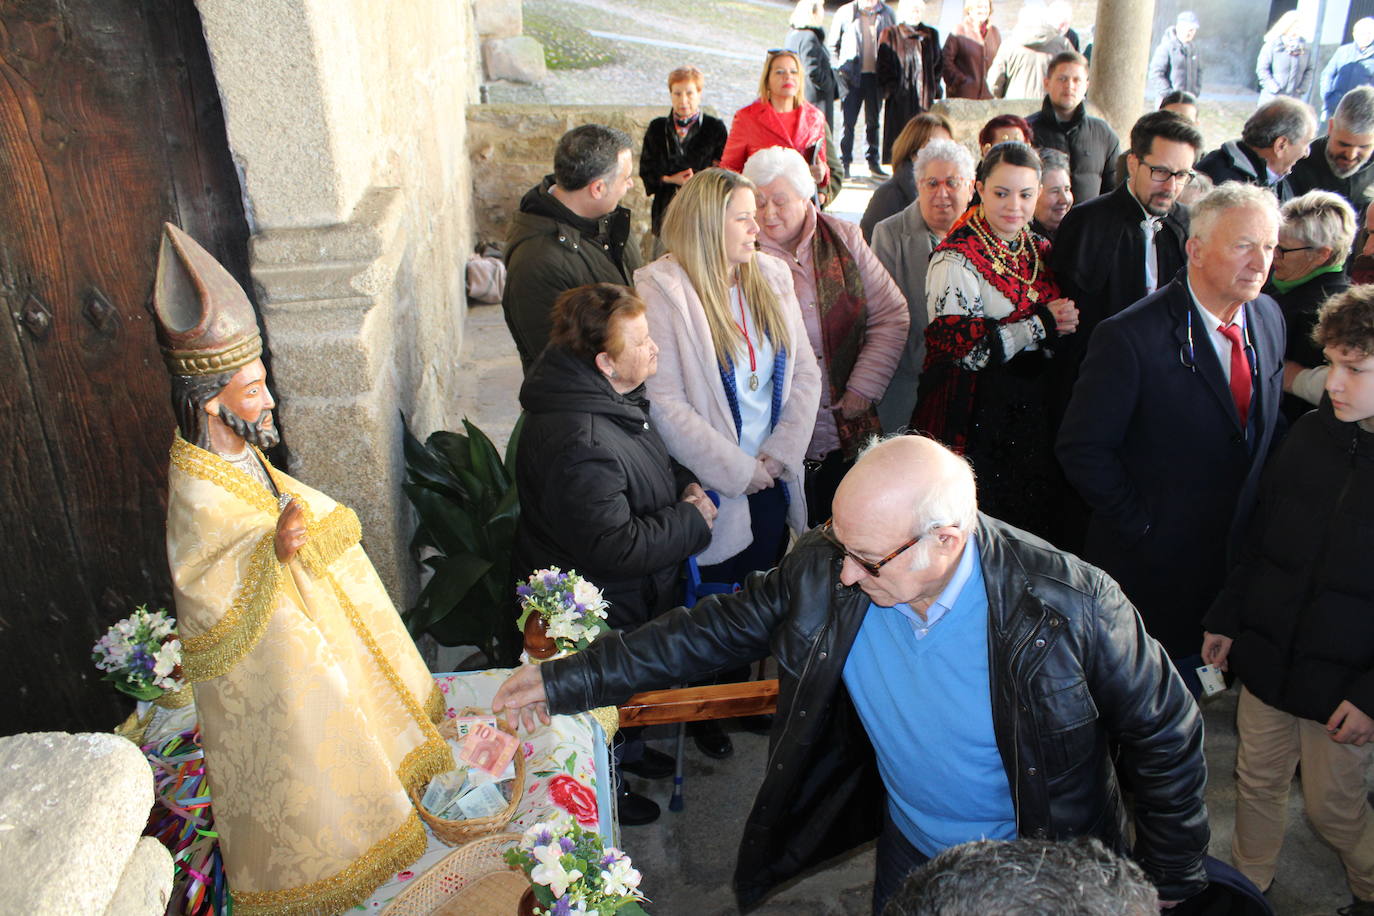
243	410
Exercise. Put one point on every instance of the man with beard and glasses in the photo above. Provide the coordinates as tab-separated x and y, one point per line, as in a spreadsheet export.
316	712
1118	248
1341	162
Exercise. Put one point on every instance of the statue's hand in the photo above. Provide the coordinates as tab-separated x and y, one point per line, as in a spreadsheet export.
290	531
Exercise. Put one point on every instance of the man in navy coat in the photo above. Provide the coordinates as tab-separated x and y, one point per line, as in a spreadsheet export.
1172	416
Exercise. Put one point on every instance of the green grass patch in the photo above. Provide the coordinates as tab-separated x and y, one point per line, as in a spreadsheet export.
567	47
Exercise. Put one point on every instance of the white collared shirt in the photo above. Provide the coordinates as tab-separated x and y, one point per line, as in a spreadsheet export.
1220	342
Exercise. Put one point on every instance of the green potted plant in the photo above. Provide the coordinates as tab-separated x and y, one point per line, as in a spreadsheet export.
465	497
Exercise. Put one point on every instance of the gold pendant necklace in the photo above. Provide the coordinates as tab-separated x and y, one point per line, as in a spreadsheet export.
1003	260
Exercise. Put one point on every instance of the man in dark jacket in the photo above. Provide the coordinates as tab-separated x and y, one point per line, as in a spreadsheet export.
1063	123
1294	621
1175	63
570	231
854	34
1118	248
1173	415
915	637
1273	140
1341	162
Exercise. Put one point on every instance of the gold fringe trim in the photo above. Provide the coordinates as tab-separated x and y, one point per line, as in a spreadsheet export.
134	727
608	717
175	699
435	706
346	889
220	648
205	465
327	540
424	763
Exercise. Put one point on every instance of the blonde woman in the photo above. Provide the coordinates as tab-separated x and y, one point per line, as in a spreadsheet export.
737	388
1285	60
780	116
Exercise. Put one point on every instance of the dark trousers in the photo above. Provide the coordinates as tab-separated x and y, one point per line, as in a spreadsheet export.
897	858
768	519
822	480
864	95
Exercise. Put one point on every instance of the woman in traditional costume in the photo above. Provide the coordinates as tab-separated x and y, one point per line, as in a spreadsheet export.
856	318
995	315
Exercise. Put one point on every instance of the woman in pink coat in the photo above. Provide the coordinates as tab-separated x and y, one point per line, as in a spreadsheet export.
780	116
737	387
856	317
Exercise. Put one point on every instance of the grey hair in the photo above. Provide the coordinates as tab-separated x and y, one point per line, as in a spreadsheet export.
1355	112
954	502
1227	196
1051	159
1283	117
775	162
1027	877
1323	220
941	150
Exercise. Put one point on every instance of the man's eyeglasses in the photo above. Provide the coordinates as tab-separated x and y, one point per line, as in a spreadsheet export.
1281	251
828	532
934	184
1161	174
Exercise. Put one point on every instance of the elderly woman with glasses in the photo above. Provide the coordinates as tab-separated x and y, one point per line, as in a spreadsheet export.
1309	267
896	194
856	319
781	116
996	317
903	243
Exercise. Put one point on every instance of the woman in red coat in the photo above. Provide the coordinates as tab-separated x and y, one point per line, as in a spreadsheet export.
780	117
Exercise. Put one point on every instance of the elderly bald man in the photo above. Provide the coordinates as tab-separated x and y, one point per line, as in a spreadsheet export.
943	677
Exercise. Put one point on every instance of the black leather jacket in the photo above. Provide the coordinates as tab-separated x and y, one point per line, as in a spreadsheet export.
1072	673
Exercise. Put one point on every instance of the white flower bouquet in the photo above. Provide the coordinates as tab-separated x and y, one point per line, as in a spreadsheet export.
573	609
141	655
572	874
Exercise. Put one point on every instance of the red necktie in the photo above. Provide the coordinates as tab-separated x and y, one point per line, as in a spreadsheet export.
1240	372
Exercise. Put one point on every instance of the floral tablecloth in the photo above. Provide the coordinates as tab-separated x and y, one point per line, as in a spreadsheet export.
567	772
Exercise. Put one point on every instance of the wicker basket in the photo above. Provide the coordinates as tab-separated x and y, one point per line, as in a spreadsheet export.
473	880
455	833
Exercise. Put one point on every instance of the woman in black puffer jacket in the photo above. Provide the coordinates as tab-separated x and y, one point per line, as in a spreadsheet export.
598	490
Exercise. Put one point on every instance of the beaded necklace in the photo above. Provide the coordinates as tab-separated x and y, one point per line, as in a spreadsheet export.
1004	255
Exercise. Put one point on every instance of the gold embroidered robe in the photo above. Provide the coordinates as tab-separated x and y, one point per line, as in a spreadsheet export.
316	711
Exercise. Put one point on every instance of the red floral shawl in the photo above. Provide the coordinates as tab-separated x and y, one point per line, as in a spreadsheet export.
946	402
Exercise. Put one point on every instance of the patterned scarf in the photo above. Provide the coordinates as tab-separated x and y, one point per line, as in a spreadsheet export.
684	127
844	318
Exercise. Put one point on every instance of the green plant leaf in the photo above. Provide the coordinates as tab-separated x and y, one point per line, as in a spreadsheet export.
632	908
448	527
452	447
451	583
483	459
513	444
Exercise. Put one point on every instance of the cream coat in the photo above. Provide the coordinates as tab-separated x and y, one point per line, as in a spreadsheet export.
687	400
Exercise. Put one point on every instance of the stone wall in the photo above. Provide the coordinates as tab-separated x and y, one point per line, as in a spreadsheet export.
346	120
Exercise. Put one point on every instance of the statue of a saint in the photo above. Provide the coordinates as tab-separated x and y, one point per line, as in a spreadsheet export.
316	711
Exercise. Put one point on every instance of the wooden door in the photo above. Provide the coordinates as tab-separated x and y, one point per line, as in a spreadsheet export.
110	124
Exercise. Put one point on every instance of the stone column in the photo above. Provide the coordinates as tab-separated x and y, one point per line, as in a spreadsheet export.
1121	57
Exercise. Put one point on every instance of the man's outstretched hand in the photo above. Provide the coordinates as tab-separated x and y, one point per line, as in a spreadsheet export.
522	697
